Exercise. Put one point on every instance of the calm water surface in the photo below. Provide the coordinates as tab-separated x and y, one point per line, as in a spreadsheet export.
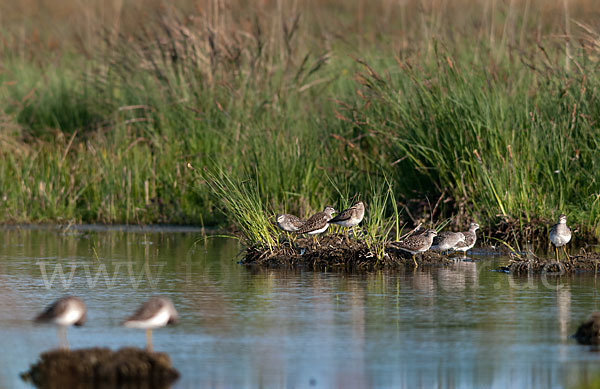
460	326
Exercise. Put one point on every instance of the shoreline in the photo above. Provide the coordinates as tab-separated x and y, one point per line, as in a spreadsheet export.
334	253
98	227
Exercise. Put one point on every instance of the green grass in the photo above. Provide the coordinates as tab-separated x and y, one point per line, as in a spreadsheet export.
287	124
243	203
521	150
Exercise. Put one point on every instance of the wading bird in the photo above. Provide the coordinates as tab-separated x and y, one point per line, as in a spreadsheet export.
470	239
155	313
66	311
415	244
447	240
350	217
289	223
317	223
560	235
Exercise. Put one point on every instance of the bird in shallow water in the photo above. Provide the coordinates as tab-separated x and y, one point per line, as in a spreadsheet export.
470	239
350	217
560	235
415	244
289	223
317	223
447	240
64	312
155	313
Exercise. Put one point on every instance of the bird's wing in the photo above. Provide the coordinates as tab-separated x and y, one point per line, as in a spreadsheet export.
342	216
147	310
58	308
314	220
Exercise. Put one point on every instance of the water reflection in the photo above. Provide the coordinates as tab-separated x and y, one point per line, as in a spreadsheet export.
460	326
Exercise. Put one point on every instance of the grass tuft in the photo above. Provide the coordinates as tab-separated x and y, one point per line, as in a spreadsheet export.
242	204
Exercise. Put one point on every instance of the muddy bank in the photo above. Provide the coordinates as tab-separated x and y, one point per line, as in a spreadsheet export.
102	368
333	252
585	262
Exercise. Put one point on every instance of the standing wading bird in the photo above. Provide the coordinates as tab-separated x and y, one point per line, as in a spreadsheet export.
416	243
560	235
66	311
317	223
350	217
470	239
154	313
447	240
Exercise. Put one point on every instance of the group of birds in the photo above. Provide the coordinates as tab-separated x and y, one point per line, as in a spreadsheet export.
70	310
351	217
560	234
443	241
318	223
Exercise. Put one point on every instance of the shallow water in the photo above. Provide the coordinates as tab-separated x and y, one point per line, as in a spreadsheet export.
460	326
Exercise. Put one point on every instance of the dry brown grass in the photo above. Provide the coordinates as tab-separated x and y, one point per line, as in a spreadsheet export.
30	27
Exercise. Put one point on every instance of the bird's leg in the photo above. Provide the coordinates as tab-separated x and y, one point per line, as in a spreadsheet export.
415	260
566	254
59	337
61	332
556	250
149	340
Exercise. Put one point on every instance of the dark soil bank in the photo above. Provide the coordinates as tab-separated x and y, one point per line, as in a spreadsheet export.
535	265
102	368
334	252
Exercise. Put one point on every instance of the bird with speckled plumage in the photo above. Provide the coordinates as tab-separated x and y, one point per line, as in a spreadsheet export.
560	235
447	240
288	222
415	244
470	239
350	217
317	223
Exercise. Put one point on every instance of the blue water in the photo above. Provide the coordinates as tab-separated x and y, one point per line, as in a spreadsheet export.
461	326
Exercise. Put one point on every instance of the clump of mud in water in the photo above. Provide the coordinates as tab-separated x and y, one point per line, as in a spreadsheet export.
335	252
102	367
589	331
581	262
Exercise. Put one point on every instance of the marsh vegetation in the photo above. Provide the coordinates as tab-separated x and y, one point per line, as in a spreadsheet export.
469	110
